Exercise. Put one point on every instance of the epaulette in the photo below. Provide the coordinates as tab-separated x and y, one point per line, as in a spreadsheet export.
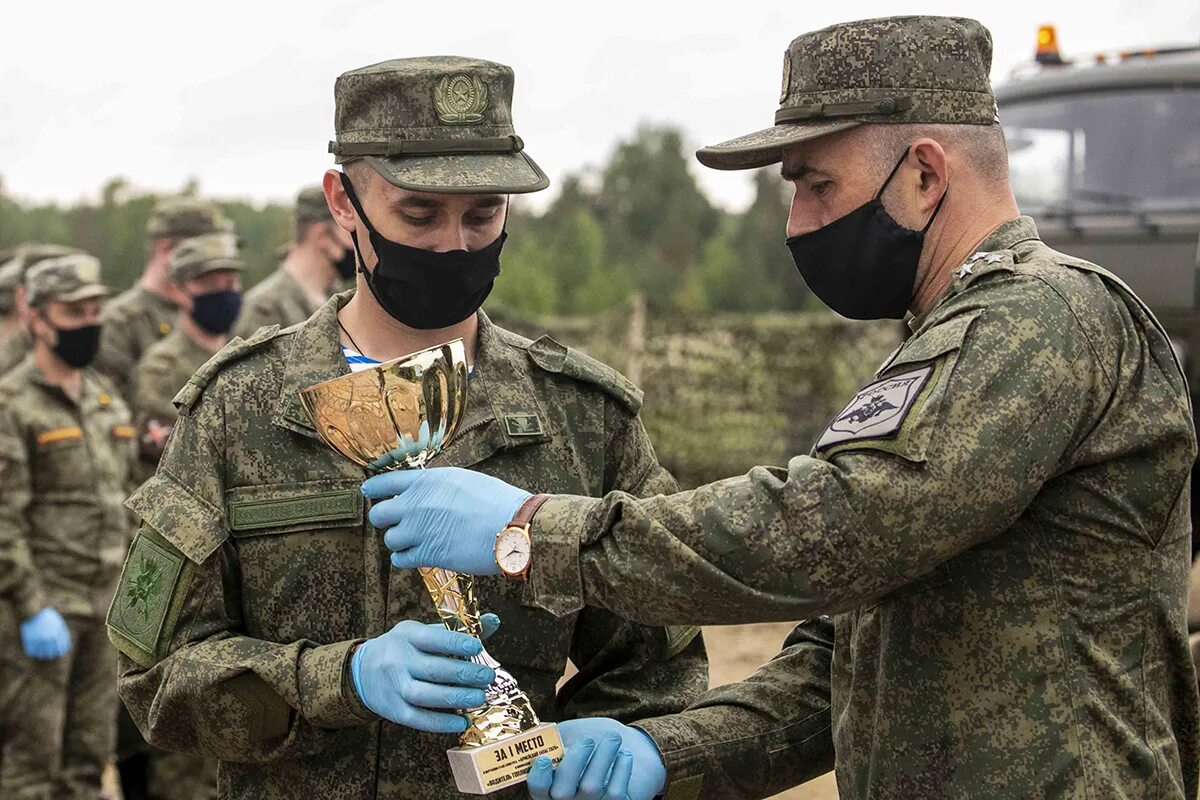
983	263
558	358
238	348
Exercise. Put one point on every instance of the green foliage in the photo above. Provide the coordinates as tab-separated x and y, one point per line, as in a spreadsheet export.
639	223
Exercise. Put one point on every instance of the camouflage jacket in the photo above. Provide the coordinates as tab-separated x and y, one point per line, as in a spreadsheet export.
13	348
133	320
64	476
999	523
276	300
163	370
270	572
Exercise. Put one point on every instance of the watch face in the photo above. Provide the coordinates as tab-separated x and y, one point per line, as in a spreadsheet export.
512	551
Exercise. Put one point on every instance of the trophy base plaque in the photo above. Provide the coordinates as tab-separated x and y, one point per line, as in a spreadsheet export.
487	769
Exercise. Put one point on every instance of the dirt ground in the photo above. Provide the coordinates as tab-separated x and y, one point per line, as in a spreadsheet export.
734	652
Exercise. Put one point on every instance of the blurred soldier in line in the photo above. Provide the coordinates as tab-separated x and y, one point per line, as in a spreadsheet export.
143	314
207	283
321	255
14	341
66	448
207	278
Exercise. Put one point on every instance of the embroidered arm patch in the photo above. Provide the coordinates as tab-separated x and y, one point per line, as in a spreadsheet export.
140	607
878	410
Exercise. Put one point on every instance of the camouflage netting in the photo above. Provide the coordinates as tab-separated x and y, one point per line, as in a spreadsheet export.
727	392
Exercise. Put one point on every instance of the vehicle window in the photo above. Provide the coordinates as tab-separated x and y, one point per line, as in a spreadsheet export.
1108	150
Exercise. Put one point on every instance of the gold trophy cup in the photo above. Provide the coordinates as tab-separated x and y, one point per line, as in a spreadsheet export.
399	415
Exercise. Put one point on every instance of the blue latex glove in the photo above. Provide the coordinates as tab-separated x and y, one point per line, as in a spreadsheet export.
445	517
605	760
414	667
45	636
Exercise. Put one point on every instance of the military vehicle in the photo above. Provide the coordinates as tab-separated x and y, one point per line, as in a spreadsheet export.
1104	154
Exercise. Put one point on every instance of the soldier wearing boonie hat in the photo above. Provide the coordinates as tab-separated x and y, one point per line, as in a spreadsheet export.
146	312
318	258
990	541
294	693
66	447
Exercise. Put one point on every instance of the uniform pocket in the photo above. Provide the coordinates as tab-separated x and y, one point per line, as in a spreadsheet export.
898	412
300	553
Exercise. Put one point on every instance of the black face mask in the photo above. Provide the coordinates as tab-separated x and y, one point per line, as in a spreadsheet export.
346	265
77	347
863	265
217	312
424	289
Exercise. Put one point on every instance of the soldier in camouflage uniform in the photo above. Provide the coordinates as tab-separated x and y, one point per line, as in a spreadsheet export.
66	446
277	607
320	256
14	341
207	273
997	525
204	269
145	313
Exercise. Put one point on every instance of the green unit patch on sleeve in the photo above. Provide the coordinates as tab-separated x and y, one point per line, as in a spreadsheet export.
332	506
140	607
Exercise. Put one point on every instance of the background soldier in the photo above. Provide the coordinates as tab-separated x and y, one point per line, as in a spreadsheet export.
282	642
14	339
207	275
321	255
1006	549
144	313
66	447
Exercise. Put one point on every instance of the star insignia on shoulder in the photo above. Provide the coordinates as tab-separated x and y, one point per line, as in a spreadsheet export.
979	255
963	271
994	258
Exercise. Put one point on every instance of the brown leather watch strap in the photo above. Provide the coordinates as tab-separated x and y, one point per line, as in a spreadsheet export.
524	515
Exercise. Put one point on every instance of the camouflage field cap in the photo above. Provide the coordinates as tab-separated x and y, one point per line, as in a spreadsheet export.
435	124
889	70
64	278
311	206
181	217
200	255
21	258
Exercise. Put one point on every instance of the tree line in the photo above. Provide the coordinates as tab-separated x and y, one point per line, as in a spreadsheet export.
640	223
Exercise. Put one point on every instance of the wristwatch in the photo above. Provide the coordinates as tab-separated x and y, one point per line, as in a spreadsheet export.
513	546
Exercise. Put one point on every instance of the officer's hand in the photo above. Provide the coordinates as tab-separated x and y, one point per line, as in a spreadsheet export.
605	760
415	667
445	517
44	636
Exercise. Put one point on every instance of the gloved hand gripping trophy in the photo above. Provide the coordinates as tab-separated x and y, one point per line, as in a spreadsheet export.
397	415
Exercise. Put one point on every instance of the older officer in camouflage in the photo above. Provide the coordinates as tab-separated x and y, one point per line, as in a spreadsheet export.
207	276
145	313
998	523
66	446
278	638
320	256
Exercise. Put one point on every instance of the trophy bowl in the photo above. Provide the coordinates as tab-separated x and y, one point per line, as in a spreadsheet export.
399	415
394	415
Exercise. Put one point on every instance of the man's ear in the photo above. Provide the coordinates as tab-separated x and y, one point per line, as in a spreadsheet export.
339	203
930	158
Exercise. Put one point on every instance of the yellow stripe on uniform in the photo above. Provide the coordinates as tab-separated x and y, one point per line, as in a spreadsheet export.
124	431
59	435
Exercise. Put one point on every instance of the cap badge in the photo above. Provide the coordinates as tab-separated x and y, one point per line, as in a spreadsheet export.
460	99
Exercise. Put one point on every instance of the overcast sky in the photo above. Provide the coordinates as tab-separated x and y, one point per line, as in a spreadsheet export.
240	94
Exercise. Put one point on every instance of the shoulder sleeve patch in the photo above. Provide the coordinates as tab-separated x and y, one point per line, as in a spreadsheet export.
558	358
237	349
145	607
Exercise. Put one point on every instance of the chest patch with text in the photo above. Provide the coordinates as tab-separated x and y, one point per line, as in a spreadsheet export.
878	410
